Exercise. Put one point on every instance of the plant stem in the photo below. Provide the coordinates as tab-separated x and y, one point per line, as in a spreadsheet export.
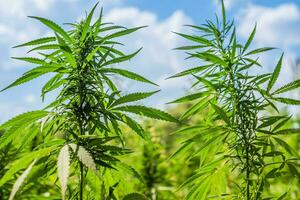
81	118
81	182
247	173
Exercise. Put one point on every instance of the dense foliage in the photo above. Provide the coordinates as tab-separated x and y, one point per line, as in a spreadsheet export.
233	140
243	135
80	131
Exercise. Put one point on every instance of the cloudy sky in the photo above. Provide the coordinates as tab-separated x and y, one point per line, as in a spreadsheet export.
278	25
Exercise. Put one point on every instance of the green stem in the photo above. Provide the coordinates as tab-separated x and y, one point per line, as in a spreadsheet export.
81	133
81	182
247	173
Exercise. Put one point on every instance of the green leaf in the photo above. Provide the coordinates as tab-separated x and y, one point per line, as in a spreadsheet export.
260	50
121	59
224	14
249	39
25	78
196	108
221	113
288	87
288	131
190	47
211	58
133	97
136	127
190	97
18	125
127	74
37	42
122	33
268	121
184	147
287	101
135	196
25	117
24	161
286	146
190	71
282	196
294	171
45	47
275	74
87	23
67	51
32	60
148	112
92	54
20	181
52	84
195	39
56	28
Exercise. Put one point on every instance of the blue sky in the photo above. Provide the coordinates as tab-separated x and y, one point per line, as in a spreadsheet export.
278	25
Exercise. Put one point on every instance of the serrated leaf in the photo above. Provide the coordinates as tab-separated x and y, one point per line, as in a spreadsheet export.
121	59
28	116
45	47
63	164
31	60
135	196
282	196
195	108
224	15
148	112
288	87
286	146
287	101
190	47
197	39
84	156
20	181
211	58
25	78
136	127
288	131
16	126
127	74
37	42
133	97
122	33
190	71
190	97
56	28
249	39
87	23
24	161
221	113
260	50
275	74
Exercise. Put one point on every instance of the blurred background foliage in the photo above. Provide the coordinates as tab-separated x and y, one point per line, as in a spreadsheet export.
159	175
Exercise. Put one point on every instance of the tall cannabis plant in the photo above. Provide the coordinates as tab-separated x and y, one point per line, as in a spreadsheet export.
238	133
80	130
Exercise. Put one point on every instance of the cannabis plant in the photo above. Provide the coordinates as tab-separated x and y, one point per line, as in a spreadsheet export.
79	133
238	132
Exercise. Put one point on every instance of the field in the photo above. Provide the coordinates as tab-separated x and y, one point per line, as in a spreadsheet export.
230	136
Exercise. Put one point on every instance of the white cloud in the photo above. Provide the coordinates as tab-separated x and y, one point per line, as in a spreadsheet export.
157	39
19	8
228	3
157	61
276	26
31	98
9	110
